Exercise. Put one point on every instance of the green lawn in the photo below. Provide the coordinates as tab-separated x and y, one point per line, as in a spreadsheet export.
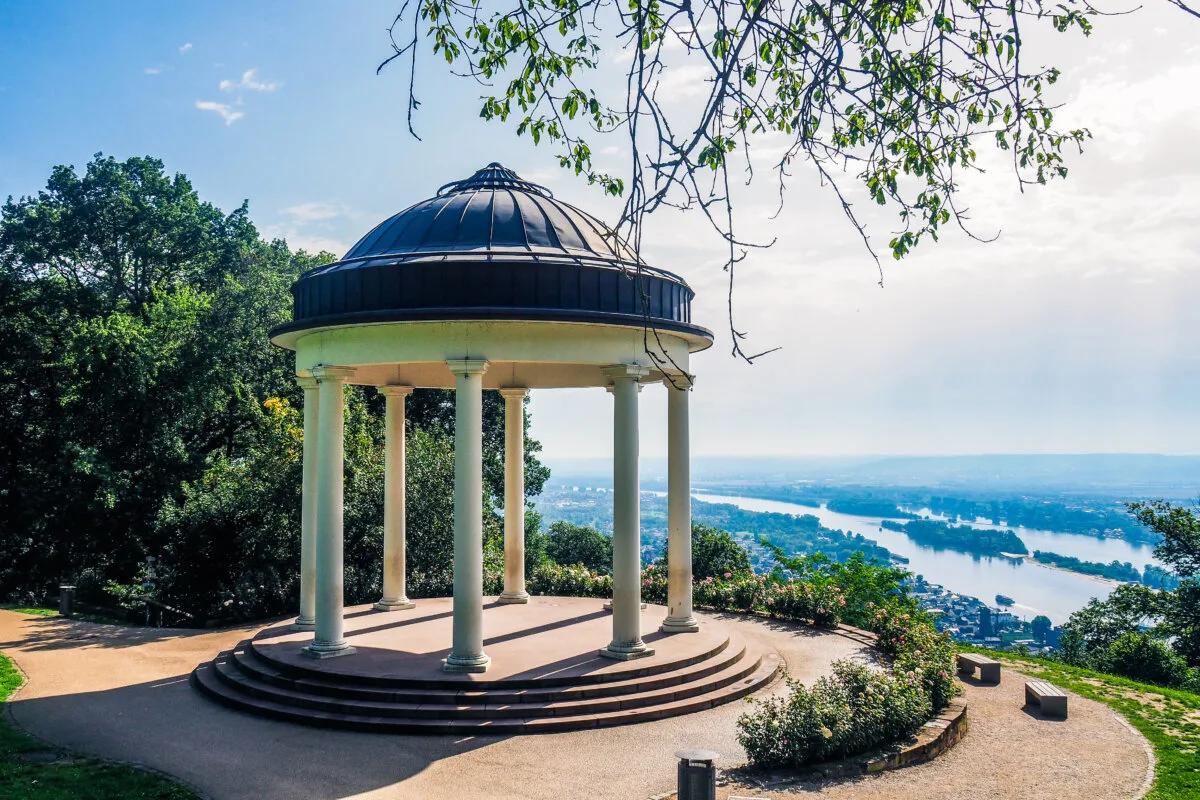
66	777
37	612
1169	718
83	616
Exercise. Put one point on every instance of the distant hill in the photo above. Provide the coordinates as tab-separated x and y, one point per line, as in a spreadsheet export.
1130	474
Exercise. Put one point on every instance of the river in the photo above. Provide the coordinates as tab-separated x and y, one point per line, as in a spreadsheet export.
1035	588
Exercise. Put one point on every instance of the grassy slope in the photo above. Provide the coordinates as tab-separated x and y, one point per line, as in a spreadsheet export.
37	612
1169	718
68	777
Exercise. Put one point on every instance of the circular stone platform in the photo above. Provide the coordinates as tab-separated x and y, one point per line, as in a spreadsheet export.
546	673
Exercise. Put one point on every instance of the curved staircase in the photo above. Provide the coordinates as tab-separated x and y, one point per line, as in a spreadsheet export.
252	677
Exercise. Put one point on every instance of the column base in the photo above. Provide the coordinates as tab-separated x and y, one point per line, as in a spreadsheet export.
394	605
684	625
608	605
626	652
302	624
514	597
453	663
324	650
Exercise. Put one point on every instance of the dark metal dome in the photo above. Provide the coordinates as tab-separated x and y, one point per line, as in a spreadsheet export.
491	246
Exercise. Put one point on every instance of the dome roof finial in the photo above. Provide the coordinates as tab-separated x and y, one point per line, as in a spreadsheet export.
494	176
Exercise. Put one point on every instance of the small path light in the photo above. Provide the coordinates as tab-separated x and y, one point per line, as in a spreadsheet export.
66	600
697	775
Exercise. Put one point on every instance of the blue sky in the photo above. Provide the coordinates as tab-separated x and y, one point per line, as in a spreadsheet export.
1075	332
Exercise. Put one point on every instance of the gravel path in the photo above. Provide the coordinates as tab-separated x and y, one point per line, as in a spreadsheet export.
123	694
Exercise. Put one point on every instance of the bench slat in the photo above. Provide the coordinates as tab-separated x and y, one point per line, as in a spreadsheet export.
977	660
1043	689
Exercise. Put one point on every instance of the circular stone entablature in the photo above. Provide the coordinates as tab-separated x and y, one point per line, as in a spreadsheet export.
491	267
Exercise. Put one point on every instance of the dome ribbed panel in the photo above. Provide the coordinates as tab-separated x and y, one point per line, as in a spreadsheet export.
493	211
537	228
492	246
507	232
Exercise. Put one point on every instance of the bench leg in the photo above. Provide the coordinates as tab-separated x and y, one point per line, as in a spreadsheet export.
990	673
1055	707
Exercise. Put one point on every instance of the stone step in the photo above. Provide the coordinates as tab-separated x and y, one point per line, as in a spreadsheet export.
258	669
621	672
435	706
208	679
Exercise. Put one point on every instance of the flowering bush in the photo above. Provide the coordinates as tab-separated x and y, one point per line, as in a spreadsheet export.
916	646
820	603
573	581
654	584
856	707
853	709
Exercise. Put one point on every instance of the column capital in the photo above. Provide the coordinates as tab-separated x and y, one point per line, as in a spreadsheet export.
306	381
514	391
394	391
329	372
633	371
467	366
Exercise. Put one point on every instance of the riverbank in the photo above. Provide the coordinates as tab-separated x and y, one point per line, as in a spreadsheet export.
1111	582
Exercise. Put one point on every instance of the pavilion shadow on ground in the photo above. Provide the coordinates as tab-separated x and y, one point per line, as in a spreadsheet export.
207	744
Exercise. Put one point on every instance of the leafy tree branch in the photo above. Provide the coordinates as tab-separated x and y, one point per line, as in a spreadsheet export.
894	100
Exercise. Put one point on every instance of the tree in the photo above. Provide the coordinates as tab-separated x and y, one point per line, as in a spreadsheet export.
144	413
1180	529
716	554
1041	626
569	544
1179	550
866	585
898	97
1143	657
131	327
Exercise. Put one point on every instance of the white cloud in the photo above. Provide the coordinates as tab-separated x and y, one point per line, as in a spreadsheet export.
315	226
226	112
152	70
313	212
185	47
249	82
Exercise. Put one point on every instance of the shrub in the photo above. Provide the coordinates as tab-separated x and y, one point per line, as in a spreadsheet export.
820	603
853	709
1141	657
715	552
570	581
578	544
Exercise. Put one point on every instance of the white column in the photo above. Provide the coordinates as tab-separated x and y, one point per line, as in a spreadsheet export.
514	496
328	640
394	597
307	619
627	557
466	652
679	510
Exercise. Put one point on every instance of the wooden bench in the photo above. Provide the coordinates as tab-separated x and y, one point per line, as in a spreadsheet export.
1052	699
989	668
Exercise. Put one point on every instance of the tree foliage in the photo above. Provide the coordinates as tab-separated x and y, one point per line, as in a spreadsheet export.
144	413
715	554
897	97
1140	632
569	545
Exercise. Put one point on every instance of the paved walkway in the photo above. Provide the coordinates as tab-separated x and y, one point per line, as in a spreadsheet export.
122	693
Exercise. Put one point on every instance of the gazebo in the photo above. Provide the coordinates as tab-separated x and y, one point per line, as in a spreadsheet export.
491	284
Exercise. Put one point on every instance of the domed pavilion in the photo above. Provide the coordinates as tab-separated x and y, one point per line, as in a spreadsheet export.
492	284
